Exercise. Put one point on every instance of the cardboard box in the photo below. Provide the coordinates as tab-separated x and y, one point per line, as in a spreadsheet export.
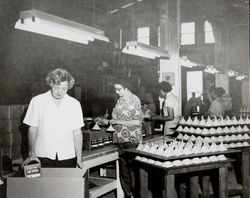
54	183
7	151
16	138
16	112
5	126
90	137
15	125
5	139
12	112
16	152
4	112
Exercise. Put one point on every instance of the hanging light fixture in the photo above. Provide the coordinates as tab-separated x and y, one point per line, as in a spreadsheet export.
54	26
211	69
184	61
232	73
241	77
140	49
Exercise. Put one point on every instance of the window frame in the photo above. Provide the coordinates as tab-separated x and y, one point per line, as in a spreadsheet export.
184	33
145	36
208	30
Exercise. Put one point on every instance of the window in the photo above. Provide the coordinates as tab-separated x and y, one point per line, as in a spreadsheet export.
194	83
187	33
143	35
209	35
159	36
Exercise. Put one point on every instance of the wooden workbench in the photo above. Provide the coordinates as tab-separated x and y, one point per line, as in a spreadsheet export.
106	154
100	157
169	175
245	161
195	171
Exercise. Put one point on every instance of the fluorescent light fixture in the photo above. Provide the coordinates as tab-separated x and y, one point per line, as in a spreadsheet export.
140	49
54	26
127	5
232	73
241	77
187	63
211	69
113	11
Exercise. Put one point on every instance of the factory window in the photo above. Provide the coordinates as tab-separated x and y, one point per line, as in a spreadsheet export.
143	35
187	33
209	35
159	36
194	83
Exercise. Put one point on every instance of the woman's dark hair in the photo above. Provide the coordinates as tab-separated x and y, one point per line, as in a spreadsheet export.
124	82
165	86
219	91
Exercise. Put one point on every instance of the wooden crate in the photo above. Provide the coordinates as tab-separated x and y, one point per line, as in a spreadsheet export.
16	138
16	152
5	139
16	112
89	136
15	125
5	126
7	151
4	112
11	111
10	134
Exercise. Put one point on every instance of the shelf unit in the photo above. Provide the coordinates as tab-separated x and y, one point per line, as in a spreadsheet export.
103	185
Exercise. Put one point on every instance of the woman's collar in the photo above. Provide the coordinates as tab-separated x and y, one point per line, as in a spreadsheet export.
127	95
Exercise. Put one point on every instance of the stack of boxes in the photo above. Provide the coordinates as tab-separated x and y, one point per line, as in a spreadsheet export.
12	131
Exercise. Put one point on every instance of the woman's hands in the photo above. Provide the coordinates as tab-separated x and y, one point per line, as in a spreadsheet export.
100	120
114	122
104	121
29	159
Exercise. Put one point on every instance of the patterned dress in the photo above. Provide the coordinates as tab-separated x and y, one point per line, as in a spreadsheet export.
127	109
